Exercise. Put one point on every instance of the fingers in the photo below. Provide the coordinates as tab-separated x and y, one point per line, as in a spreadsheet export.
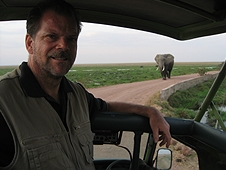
165	140
168	140
167	136
164	137
160	129
155	135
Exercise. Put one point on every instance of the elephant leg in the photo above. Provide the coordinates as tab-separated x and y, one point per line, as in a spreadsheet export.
168	74
163	75
170	67
165	72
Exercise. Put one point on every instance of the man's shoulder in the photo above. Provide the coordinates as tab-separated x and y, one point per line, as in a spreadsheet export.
76	85
10	75
9	82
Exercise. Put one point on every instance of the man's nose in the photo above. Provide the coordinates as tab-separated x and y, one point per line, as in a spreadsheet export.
62	44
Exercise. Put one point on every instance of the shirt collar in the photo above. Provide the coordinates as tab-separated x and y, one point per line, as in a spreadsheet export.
31	86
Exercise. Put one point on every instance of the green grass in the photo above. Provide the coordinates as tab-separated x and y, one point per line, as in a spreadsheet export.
105	75
193	97
92	76
5	69
181	104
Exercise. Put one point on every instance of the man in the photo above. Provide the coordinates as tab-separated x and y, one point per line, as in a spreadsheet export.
45	118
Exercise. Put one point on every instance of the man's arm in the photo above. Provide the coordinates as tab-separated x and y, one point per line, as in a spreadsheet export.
6	143
157	122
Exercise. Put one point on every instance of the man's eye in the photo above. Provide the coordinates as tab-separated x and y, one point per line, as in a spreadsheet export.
52	36
73	39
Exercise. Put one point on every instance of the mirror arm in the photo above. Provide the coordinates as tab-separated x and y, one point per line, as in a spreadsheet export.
136	150
150	150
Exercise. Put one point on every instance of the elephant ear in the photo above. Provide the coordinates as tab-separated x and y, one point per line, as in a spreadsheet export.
157	59
169	59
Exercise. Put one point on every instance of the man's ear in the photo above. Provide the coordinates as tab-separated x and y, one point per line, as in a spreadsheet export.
29	43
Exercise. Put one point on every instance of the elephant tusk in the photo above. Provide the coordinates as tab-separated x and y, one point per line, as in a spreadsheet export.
157	68
163	68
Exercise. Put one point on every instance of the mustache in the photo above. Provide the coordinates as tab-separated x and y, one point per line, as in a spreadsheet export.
60	55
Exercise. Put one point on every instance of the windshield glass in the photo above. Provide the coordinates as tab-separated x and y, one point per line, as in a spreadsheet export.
101	44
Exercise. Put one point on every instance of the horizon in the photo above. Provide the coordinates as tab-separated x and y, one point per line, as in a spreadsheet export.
133	64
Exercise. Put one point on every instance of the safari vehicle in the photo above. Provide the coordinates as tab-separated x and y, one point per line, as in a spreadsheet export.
178	19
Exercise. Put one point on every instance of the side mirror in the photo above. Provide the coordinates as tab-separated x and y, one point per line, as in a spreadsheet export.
164	159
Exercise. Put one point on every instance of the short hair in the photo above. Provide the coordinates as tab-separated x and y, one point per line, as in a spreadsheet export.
61	7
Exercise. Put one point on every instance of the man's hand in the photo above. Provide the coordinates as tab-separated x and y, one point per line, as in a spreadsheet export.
159	126
160	129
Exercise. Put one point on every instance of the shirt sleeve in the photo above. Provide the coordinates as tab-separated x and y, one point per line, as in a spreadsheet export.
6	143
96	105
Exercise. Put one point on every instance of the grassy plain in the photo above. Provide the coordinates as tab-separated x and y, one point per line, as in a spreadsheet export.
180	104
96	75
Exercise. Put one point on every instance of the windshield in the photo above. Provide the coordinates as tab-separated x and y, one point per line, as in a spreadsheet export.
101	44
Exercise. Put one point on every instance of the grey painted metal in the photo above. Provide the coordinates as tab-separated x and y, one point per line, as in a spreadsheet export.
218	116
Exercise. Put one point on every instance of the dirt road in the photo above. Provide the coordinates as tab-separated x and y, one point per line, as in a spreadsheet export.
138	92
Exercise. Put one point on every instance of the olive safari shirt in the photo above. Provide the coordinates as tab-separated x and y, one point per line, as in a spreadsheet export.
39	133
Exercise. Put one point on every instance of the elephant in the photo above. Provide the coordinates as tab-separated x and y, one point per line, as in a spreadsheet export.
165	64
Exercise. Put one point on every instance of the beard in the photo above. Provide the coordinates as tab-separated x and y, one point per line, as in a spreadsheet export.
64	62
56	64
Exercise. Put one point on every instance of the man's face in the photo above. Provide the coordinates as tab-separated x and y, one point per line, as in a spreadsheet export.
53	49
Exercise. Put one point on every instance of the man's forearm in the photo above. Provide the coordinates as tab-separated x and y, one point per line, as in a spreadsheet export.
131	108
160	128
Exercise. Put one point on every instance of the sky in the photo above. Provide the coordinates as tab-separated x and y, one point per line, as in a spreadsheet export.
108	44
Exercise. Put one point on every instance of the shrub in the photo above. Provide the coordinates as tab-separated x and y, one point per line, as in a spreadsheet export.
202	71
